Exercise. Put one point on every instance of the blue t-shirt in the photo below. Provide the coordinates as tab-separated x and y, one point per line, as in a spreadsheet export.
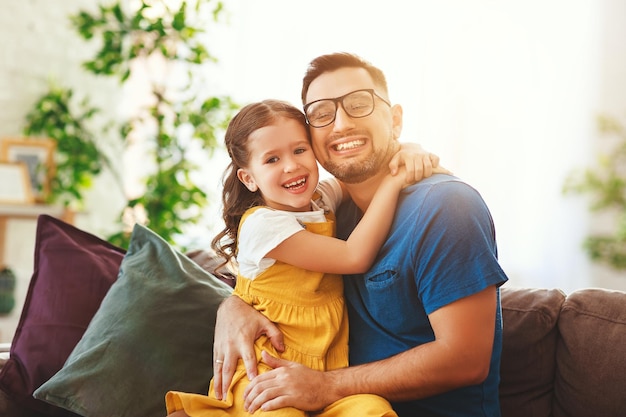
441	248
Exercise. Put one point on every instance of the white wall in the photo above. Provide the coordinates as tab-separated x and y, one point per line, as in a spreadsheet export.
505	92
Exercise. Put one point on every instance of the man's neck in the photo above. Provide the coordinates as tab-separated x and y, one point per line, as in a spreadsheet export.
362	193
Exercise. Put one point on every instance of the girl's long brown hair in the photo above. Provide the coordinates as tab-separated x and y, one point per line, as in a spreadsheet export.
236	198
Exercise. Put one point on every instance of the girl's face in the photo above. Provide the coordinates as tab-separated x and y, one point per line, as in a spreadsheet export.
282	166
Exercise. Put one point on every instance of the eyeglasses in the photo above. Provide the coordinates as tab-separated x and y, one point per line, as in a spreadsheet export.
359	103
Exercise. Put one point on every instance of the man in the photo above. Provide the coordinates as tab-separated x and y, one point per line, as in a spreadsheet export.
425	323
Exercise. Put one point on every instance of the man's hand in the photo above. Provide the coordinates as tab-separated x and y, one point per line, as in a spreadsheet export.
419	163
289	384
237	326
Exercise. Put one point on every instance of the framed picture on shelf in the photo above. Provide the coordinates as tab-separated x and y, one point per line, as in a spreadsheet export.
15	187
38	156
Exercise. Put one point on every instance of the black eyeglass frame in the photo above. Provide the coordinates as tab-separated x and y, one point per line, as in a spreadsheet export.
339	100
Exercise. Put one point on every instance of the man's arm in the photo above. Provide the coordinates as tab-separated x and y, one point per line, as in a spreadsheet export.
459	356
237	326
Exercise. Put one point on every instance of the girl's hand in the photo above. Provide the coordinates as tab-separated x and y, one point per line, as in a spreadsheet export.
417	162
397	181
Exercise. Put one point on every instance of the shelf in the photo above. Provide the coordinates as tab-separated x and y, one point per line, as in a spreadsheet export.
28	211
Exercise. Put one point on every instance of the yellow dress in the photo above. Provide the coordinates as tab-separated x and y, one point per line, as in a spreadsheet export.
309	309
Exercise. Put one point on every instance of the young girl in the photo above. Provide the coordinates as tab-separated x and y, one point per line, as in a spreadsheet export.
280	227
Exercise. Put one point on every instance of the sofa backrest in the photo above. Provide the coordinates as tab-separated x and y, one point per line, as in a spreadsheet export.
529	344
591	355
563	356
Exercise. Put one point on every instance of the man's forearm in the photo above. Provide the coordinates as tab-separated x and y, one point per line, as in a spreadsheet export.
460	356
400	378
406	376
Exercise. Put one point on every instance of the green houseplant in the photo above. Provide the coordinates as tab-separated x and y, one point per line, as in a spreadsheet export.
606	183
7	290
175	121
79	159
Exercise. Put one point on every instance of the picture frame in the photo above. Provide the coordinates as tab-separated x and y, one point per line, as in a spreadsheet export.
15	187
38	156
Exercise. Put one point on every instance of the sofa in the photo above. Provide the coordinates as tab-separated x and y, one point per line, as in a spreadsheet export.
145	323
563	355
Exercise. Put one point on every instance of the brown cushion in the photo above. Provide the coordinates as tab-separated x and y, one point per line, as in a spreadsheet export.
591	355
212	263
528	350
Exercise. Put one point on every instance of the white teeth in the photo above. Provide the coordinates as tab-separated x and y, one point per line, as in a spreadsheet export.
349	145
295	183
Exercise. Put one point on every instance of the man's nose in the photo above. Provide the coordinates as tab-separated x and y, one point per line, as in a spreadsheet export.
342	120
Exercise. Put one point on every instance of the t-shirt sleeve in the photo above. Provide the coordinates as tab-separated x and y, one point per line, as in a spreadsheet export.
262	231
458	256
331	194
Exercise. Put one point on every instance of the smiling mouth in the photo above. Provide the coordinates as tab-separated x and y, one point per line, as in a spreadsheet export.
353	144
295	184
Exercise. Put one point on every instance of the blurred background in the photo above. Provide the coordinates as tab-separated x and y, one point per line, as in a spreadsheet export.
507	94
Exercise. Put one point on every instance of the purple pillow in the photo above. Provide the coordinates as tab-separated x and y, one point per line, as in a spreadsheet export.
73	271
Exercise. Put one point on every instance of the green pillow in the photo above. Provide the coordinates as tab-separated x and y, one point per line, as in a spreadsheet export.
152	333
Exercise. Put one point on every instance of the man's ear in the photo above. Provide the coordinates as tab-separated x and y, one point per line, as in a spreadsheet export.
247	180
396	115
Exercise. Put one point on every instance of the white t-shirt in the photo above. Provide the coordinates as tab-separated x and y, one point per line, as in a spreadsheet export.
266	228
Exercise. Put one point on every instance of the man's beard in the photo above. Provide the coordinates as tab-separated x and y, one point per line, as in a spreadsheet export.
353	172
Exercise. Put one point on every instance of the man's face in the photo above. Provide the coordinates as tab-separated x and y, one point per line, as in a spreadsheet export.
354	149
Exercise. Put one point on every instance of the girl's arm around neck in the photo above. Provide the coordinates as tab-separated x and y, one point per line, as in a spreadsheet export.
355	255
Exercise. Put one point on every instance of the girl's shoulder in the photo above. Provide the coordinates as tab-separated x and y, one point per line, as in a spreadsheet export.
267	217
329	194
